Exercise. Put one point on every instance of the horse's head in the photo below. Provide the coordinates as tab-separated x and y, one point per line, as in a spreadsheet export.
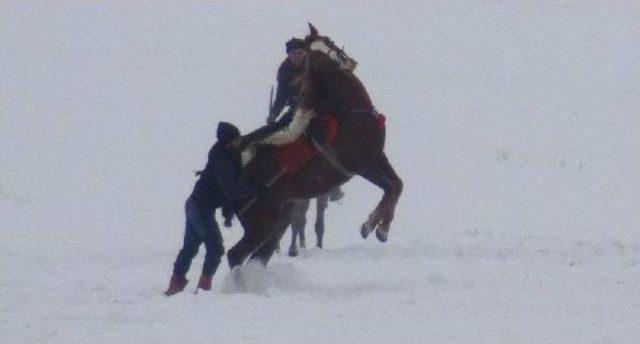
325	45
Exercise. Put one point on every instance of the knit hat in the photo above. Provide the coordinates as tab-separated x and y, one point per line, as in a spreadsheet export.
295	43
227	132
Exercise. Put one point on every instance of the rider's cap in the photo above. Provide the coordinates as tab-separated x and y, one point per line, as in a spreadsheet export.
227	132
295	43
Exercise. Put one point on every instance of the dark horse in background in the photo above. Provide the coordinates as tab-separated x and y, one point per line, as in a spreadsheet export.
328	91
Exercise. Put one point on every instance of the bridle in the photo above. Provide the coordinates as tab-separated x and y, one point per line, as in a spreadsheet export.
336	54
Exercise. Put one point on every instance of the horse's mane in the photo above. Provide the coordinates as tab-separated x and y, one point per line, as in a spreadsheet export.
327	87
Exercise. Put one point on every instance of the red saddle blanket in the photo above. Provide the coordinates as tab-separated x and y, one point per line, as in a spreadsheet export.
296	154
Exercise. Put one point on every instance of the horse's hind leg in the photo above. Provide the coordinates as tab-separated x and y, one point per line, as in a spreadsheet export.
265	252
260	223
380	172
321	206
249	243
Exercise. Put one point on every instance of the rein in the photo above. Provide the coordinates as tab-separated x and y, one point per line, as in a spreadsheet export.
331	158
372	111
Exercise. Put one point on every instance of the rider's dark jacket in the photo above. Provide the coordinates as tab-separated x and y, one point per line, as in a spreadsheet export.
219	181
287	93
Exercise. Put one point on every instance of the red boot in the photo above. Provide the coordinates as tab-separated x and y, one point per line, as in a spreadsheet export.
205	282
176	285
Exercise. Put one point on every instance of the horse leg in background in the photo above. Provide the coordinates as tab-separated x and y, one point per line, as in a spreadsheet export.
380	172
321	206
298	222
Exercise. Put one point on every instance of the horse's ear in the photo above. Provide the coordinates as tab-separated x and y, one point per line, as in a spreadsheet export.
313	31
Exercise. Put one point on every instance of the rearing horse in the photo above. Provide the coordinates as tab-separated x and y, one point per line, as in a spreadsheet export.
329	91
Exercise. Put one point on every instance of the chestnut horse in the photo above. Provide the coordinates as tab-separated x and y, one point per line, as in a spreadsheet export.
328	88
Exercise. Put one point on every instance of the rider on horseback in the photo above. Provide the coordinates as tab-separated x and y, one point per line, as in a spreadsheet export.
290	68
288	94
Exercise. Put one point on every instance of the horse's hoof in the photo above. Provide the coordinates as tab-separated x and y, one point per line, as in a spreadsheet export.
293	252
365	230
238	279
382	235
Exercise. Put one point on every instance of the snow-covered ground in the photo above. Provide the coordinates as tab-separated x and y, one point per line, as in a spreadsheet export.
514	124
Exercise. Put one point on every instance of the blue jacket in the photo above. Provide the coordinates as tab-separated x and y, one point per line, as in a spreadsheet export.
220	182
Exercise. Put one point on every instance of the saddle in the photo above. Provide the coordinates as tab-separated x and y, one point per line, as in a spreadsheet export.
293	156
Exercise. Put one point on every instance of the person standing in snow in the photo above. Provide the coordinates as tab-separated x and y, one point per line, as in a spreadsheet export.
218	184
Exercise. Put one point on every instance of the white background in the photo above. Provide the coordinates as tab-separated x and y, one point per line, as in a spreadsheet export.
515	126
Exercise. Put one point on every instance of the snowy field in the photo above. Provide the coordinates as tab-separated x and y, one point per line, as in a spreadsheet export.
515	126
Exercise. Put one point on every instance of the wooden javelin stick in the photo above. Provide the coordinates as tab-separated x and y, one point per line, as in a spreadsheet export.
270	106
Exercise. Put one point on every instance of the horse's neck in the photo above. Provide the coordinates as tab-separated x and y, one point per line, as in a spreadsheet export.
344	91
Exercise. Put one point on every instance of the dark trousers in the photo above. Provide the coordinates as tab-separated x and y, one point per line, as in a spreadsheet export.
201	227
